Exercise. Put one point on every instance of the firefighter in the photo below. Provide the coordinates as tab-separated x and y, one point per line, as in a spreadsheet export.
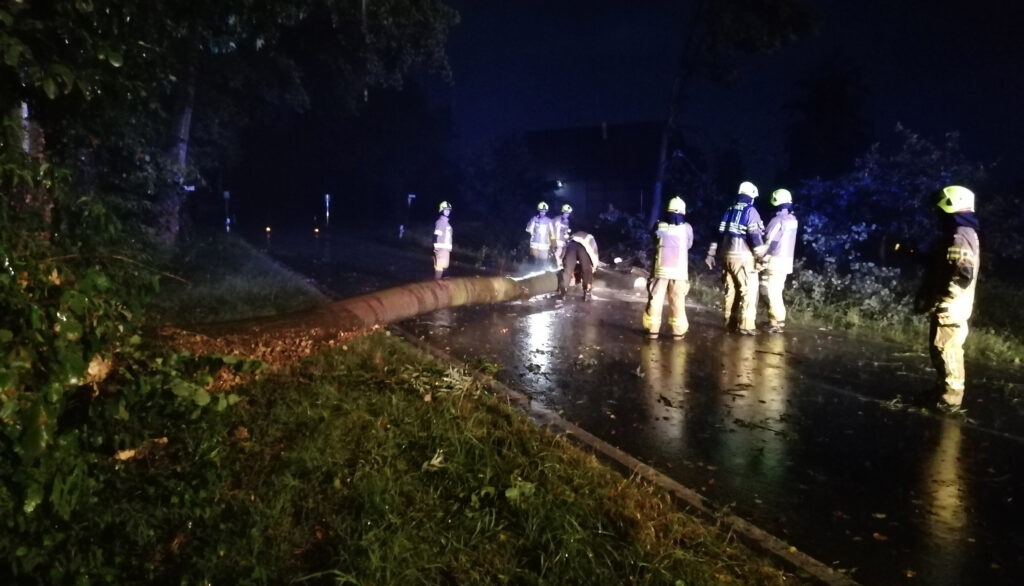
947	292
778	259
581	248
673	239
542	235
562	233
741	232
442	239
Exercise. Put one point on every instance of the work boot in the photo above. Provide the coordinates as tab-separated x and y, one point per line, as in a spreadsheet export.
677	337
587	295
560	294
776	328
651	335
746	332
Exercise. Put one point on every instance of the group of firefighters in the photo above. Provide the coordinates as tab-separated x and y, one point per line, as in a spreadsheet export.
753	256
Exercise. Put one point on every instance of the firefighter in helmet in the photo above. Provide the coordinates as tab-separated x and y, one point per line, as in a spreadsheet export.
673	238
562	232
947	292
742	246
442	239
542	235
778	259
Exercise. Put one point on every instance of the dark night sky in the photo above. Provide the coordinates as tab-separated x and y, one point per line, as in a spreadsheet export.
935	66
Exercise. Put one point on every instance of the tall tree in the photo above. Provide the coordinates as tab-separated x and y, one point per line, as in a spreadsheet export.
136	71
714	36
828	125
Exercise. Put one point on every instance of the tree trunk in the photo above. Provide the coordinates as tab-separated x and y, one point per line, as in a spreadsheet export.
172	198
284	339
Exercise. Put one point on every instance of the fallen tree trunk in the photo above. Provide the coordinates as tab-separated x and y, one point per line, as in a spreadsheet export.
283	339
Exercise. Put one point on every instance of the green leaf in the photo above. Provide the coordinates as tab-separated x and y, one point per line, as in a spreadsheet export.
50	88
33	496
183	388
6	336
115	58
201	397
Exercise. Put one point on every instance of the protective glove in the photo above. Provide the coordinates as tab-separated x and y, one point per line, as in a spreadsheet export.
710	261
761	264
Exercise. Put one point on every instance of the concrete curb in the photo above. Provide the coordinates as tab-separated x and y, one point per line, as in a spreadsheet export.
749	533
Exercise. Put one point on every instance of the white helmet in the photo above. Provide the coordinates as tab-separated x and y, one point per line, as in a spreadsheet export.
781	196
955	199
676	205
542	207
748	188
566	209
444	206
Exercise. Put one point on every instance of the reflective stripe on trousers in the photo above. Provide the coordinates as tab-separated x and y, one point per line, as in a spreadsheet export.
947	353
675	290
740	281
776	282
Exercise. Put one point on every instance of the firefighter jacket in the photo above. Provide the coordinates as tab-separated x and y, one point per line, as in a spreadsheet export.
442	233
562	233
542	232
589	244
741	229
952	276
781	240
672	243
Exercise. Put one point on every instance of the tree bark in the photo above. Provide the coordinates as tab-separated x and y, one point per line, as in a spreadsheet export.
284	339
171	200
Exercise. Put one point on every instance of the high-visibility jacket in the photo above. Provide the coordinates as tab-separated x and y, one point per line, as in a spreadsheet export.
442	233
589	244
742	229
562	232
963	259
781	240
542	232
672	241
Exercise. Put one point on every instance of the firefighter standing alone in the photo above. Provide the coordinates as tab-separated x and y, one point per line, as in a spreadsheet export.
670	277
947	292
741	232
442	240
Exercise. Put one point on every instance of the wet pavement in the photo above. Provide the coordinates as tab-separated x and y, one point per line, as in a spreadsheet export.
807	434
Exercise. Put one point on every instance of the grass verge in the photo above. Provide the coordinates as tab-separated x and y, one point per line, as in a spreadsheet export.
227	279
372	464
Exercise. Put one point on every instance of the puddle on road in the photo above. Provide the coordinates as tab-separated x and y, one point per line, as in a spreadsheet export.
794	432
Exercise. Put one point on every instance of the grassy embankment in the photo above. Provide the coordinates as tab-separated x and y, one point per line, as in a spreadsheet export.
994	338
373	464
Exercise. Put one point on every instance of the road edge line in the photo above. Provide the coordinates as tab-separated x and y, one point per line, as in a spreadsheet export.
751	534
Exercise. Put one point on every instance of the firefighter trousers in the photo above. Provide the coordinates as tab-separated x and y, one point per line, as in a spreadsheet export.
740	281
657	291
774	284
947	353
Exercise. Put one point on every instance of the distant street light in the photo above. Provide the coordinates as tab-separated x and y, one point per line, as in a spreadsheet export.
267	229
227	211
327	209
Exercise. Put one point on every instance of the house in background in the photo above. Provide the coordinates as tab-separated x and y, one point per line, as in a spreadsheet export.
592	168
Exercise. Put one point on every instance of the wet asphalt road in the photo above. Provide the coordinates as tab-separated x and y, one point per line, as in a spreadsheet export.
806	434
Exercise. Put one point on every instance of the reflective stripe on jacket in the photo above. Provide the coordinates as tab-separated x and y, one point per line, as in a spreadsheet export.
781	240
741	229
541	232
963	258
672	242
561	230
442	234
589	244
